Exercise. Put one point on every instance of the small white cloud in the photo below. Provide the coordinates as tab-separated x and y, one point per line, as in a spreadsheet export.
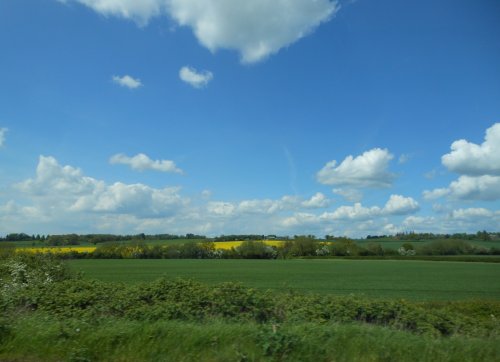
396	205
352	195
486	188
127	81
264	206
391	229
3	132
476	188
471	213
435	194
400	205
142	162
195	78
221	208
206	194
355	212
430	175
317	201
479	166
470	159
300	219
366	170
404	158
139	11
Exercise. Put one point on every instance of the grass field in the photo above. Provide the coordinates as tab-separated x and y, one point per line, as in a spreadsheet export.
396	244
413	280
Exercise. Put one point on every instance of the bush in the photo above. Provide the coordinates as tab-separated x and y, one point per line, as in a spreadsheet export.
256	250
446	247
372	249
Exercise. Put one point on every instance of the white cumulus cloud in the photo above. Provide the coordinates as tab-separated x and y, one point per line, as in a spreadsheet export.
396	205
476	188
471	213
478	166
195	78
255	29
318	200
142	162
60	189
470	159
352	195
355	212
366	170
127	81
267	206
400	205
435	194
3	132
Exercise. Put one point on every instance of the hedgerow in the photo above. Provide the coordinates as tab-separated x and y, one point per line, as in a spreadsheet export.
63	295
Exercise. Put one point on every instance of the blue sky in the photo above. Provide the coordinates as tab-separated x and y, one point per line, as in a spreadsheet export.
170	116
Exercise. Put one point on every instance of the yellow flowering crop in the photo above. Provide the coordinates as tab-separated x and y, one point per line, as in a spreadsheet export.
224	245
227	245
57	250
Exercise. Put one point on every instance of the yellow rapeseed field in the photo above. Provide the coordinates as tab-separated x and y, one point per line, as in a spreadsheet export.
224	245
57	250
227	245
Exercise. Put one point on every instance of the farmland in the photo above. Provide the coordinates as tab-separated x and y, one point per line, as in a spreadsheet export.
292	309
416	280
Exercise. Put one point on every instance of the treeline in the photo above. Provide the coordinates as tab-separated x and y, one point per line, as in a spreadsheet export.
245	237
412	236
76	239
299	247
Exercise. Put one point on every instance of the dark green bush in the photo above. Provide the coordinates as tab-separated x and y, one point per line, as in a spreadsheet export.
446	247
256	250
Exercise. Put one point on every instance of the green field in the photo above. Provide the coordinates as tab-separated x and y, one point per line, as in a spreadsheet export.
395	244
413	280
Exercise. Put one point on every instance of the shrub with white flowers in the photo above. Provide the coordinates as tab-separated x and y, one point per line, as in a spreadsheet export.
22	271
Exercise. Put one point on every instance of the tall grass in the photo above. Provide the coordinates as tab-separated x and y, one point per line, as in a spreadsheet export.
41	338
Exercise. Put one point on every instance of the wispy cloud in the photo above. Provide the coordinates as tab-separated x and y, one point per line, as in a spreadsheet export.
3	131
127	81
142	162
195	78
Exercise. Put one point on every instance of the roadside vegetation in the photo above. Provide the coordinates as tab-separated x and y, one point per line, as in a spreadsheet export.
49	312
249	298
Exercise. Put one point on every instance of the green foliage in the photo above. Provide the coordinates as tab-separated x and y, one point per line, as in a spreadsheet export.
303	246
39	337
277	342
372	249
192	301
83	320
256	250
446	247
344	247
